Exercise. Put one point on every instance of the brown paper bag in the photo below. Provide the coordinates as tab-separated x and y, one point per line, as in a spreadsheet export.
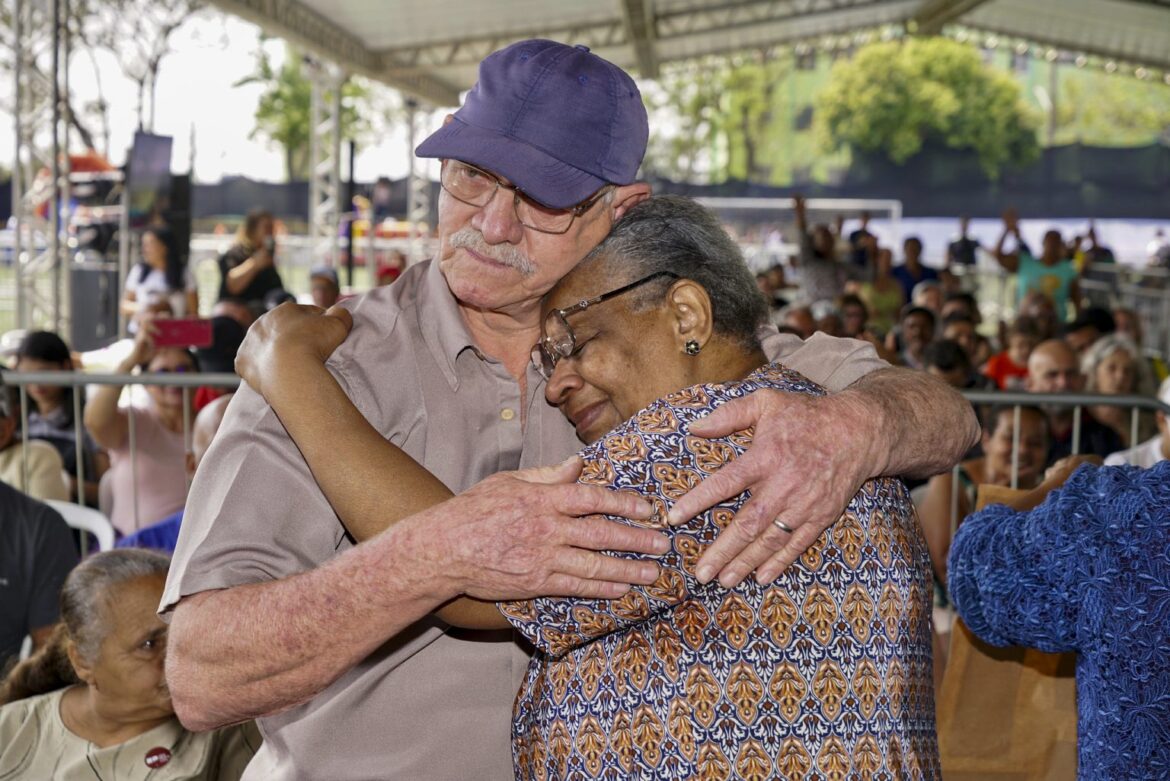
1006	714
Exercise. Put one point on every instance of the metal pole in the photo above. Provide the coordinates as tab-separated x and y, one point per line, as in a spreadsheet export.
17	172
133	442
1015	447
55	167
24	439
1076	432
63	260
79	446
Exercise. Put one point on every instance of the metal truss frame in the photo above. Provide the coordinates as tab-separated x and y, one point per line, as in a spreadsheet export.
325	159
41	88
418	186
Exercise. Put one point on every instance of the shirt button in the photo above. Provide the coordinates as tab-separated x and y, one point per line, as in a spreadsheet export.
507	414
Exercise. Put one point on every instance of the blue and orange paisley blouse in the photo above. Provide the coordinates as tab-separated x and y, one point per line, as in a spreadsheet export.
825	674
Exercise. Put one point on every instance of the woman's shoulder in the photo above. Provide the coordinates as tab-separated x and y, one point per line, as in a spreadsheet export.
672	414
37	713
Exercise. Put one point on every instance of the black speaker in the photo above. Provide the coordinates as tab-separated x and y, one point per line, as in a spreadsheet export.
94	313
178	214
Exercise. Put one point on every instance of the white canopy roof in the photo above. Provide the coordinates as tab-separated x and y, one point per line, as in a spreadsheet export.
430	48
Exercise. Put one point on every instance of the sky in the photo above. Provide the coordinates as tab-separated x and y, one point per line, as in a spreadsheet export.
196	94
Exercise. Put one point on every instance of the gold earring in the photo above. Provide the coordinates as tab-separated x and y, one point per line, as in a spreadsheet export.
692	347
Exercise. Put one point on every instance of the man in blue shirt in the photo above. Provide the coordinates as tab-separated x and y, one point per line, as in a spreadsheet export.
165	534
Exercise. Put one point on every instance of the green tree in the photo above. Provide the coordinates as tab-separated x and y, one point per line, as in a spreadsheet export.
894	97
283	111
722	115
1110	109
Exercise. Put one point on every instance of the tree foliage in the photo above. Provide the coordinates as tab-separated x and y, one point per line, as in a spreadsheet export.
283	113
722	118
894	97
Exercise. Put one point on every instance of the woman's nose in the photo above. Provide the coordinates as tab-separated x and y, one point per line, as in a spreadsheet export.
563	382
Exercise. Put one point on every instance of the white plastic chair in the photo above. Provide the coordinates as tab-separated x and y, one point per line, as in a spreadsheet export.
87	519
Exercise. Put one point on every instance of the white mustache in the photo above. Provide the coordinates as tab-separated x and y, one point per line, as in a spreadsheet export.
470	238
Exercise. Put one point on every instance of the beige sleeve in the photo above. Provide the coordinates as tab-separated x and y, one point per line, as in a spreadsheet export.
829	361
254	512
46	472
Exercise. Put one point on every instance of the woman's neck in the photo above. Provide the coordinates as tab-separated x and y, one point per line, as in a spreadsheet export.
85	715
726	363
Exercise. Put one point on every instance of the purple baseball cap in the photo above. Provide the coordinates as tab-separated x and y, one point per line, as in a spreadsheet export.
557	121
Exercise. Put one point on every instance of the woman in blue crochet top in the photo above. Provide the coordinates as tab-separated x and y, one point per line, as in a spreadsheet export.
1087	570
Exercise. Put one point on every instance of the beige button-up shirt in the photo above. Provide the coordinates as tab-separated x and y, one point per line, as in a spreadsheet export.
432	703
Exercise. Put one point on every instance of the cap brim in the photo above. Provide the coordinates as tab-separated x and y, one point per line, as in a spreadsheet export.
542	177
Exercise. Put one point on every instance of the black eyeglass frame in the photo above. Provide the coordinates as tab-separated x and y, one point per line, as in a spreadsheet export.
546	355
517	193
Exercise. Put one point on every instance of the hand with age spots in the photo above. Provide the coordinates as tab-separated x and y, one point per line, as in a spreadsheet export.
809	457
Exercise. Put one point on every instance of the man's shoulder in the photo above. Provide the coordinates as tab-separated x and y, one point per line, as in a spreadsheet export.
18	509
386	320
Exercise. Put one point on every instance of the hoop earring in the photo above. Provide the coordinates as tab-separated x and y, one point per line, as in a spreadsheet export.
692	347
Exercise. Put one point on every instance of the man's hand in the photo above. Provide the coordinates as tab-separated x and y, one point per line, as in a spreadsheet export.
291	332
807	461
536	532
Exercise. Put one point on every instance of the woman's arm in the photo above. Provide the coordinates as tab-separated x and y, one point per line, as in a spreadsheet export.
370	483
935	515
129	304
192	303
237	278
108	425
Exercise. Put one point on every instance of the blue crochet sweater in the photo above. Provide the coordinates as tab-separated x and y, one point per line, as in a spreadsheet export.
1087	571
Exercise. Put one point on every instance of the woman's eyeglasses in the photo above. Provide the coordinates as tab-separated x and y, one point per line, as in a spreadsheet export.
557	340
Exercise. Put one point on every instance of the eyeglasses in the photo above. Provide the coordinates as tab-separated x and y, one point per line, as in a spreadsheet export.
557	340
174	370
476	187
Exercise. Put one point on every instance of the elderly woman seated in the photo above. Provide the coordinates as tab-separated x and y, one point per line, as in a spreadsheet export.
829	667
94	704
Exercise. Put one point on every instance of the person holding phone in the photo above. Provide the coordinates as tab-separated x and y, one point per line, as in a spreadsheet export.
160	283
152	483
248	268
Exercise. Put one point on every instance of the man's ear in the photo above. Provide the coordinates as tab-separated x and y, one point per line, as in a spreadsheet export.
691	309
627	196
448	119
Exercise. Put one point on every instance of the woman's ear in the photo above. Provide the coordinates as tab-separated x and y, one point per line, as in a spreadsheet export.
690	307
83	670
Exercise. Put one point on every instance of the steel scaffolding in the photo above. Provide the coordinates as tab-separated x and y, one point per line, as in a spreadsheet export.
41	100
325	159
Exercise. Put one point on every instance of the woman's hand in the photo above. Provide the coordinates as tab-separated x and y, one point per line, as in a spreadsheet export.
144	347
287	336
1062	470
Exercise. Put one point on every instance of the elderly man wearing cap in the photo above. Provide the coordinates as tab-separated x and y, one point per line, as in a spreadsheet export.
278	614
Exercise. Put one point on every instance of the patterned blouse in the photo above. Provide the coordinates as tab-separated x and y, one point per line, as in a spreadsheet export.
826	674
1087	571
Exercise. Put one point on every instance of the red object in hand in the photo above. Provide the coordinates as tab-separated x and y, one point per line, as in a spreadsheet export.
182	332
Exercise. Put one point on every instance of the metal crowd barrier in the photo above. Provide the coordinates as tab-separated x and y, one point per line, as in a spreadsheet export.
1145	291
79	380
1018	399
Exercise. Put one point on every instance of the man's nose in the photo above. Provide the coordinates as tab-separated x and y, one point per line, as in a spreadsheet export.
496	220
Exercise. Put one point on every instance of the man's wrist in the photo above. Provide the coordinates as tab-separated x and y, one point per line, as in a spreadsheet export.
869	419
417	556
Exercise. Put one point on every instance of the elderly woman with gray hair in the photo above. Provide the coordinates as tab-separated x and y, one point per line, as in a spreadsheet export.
829	667
1114	365
93	703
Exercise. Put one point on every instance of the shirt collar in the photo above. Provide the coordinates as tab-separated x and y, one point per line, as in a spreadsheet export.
442	325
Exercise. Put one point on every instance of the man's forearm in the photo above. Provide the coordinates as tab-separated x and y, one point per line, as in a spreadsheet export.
924	426
255	650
